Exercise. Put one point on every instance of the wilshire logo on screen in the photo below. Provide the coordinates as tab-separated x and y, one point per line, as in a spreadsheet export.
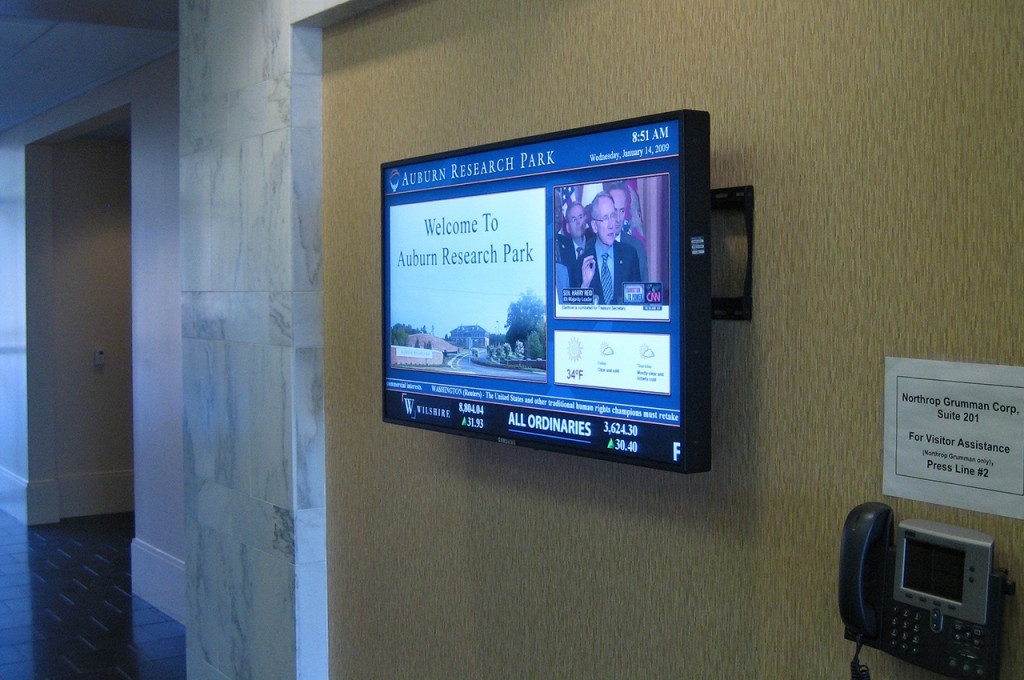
414	410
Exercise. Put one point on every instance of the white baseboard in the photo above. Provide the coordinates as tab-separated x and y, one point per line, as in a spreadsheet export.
45	501
35	502
42	500
96	493
13	495
159	579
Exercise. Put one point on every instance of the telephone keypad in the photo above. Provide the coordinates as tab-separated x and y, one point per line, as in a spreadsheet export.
964	643
905	630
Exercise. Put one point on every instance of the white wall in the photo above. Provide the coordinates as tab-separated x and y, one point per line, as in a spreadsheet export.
25	488
13	376
158	552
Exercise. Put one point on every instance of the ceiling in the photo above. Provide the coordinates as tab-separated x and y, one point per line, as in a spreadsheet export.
53	50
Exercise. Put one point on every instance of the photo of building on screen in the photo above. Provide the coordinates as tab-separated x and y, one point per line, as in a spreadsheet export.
611	246
518	353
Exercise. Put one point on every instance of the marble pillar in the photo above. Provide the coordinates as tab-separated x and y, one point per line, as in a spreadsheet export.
250	177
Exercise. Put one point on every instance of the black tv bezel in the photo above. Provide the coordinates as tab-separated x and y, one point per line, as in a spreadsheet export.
694	183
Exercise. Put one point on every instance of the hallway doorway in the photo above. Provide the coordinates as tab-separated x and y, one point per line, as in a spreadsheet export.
78	243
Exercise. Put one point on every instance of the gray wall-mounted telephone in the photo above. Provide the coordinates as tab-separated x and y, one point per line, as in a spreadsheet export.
927	593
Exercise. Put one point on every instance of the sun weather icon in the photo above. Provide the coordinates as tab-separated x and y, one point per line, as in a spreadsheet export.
575	349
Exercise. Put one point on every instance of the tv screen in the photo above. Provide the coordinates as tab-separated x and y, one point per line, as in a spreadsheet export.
554	292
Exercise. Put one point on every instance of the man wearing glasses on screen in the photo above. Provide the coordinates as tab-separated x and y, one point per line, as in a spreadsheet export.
606	264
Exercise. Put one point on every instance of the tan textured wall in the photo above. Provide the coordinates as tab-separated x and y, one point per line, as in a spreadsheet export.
885	144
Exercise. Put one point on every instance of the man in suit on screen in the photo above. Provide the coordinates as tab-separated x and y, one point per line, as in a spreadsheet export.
606	264
571	244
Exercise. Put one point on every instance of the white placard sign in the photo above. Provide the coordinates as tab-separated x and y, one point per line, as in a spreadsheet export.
954	434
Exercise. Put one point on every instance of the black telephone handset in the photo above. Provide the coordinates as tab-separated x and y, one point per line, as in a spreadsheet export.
867	534
926	593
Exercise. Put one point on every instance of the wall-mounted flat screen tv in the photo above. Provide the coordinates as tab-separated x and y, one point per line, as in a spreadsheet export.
554	292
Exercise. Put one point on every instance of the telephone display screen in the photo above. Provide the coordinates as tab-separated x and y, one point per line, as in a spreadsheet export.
934	570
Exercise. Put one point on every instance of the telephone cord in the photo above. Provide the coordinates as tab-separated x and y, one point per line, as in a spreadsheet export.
858	671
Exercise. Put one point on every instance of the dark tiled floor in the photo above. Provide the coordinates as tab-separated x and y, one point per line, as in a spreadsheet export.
66	608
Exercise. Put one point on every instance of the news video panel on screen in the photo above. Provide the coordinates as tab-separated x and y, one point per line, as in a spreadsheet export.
546	291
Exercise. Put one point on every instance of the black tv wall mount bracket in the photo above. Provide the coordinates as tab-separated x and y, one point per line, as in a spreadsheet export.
732	253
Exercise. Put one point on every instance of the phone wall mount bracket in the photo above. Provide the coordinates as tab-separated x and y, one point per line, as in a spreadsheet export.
732	253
